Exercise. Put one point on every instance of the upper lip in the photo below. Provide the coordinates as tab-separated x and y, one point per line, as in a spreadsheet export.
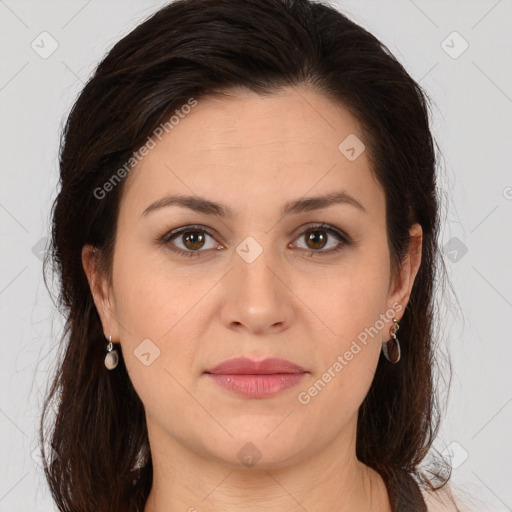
246	366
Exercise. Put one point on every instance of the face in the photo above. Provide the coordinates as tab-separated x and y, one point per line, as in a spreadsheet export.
252	266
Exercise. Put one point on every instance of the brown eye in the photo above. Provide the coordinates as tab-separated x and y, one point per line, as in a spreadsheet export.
189	241
316	239
323	239
193	240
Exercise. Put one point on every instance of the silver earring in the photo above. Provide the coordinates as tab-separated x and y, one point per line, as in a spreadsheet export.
111	359
393	353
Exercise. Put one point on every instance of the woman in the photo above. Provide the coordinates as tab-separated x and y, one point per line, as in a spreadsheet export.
246	235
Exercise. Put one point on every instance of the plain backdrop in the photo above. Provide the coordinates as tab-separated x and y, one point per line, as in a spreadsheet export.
459	51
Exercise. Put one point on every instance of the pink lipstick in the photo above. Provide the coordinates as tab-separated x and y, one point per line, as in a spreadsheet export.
256	379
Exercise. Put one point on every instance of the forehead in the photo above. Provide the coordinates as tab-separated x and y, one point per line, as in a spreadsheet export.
248	149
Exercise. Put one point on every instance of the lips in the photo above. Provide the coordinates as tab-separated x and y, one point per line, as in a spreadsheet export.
245	366
256	379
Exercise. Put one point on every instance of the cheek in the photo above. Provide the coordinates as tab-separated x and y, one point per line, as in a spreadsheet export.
347	300
151	296
157	309
351	306
346	360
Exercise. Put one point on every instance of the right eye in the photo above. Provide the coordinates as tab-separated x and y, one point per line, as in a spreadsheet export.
193	240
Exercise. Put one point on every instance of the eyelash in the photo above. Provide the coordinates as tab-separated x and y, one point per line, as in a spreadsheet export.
168	237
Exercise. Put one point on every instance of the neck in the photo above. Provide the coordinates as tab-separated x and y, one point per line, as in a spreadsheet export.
186	481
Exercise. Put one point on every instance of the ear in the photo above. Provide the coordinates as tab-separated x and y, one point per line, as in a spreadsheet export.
401	285
101	292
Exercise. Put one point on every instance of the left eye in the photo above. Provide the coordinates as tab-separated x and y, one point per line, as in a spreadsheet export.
320	239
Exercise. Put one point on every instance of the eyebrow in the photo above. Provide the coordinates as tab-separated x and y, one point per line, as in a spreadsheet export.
208	207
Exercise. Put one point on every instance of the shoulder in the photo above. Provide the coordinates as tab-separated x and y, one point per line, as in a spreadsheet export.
440	501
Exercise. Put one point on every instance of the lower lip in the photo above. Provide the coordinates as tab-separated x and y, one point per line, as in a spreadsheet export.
257	386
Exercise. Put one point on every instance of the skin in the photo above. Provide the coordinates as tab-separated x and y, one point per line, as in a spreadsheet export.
254	154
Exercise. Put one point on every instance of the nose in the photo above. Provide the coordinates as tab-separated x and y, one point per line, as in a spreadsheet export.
256	297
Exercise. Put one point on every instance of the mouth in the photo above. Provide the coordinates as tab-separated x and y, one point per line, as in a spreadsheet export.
256	379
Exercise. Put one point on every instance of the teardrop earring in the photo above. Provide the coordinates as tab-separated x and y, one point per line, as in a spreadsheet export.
392	353
111	359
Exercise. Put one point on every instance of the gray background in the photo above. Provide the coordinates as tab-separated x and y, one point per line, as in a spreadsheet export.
472	94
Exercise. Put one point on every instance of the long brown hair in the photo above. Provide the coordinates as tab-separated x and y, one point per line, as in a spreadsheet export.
96	447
